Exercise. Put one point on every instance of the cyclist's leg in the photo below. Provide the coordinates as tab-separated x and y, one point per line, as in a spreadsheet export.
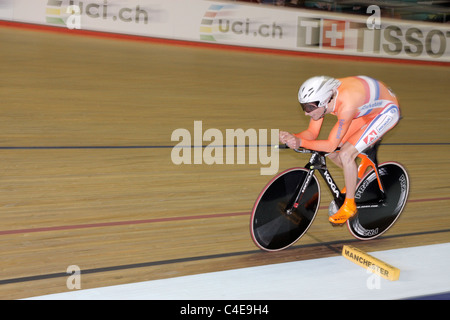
347	156
355	126
355	142
383	121
376	126
334	157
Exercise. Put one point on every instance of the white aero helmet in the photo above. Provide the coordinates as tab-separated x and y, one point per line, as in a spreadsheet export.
317	92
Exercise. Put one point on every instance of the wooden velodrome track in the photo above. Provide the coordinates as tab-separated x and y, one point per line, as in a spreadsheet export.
86	176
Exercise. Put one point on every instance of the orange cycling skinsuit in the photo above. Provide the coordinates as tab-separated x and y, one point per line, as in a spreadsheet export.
366	109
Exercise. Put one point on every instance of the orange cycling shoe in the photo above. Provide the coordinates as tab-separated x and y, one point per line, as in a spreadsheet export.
347	211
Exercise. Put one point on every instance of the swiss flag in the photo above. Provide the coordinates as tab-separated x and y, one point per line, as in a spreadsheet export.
333	34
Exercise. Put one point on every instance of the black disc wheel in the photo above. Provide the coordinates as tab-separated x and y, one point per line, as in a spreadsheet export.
376	216
273	227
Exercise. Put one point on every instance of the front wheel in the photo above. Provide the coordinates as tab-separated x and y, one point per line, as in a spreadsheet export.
272	227
375	217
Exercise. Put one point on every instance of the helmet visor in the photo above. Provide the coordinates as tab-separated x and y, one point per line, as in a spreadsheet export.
309	106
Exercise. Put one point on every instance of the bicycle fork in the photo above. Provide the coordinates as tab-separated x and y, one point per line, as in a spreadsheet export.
300	190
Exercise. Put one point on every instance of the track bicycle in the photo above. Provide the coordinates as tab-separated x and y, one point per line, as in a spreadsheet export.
287	206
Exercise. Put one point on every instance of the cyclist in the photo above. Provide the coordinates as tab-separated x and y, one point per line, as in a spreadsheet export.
365	109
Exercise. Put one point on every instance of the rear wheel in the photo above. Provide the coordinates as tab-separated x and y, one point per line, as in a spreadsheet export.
373	218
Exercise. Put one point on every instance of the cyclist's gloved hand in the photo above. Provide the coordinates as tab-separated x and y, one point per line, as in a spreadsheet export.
289	139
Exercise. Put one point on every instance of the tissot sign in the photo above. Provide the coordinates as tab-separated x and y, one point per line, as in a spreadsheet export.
344	36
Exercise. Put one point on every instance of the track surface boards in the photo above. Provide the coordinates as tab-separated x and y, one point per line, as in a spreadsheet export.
86	176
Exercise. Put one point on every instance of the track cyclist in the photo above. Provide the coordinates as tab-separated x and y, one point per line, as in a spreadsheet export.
365	109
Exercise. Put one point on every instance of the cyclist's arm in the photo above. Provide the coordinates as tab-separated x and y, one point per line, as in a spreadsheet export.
312	132
334	138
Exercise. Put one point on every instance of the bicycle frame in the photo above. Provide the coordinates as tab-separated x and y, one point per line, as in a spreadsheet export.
318	162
